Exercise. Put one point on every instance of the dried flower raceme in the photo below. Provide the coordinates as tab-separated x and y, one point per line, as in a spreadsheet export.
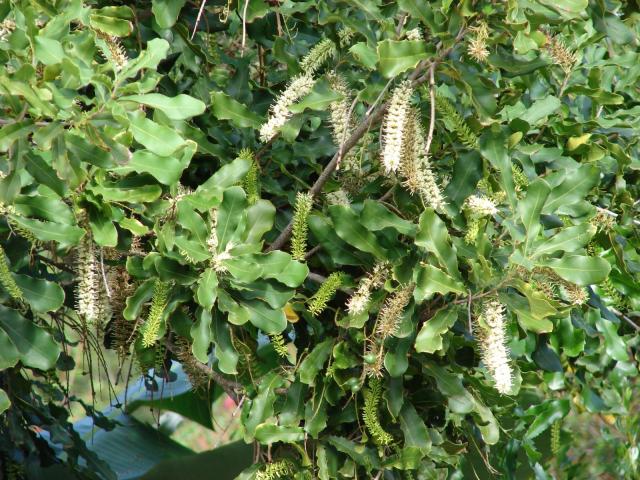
325	293
552	285
276	470
197	377
391	312
374	359
416	168
455	122
151	327
321	53
6	279
493	345
371	415
560	53
393	130
339	197
280	113
414	34
603	221
477	47
302	209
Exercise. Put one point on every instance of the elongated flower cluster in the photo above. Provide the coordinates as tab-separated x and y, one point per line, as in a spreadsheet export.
394	127
89	295
345	35
117	53
302	209
7	26
325	293
520	180
391	312
217	258
560	53
477	47
552	285
455	122
6	279
480	206
280	113
359	301
416	168
151	327
493	345
414	34
374	358
555	436
279	345
277	470
339	110
370	414
321	53
250	183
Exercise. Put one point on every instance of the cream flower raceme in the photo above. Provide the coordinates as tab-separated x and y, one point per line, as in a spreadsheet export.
480	206
393	130
493	345
280	113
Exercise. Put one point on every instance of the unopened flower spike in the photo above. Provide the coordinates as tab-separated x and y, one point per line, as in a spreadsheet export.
281	469
151	327
393	129
371	415
454	121
302	209
414	34
6	279
279	344
493	345
279	112
251	184
321	53
325	293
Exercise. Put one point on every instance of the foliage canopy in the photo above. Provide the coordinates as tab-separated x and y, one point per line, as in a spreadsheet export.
400	235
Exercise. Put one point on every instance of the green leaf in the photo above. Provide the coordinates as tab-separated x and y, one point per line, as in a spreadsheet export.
567	8
530	209
579	269
167	170
117	27
268	434
180	107
566	240
5	403
429	339
348	227
9	354
260	217
207	289
413	428
224	350
313	363
224	107
156	51
545	415
574	187
37	348
44	174
233	205
261	407
48	50
158	139
376	216
433	236
395	57
493	148
541	109
65	235
615	346
365	55
430	280
166	11
201	335
264	317
42	295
